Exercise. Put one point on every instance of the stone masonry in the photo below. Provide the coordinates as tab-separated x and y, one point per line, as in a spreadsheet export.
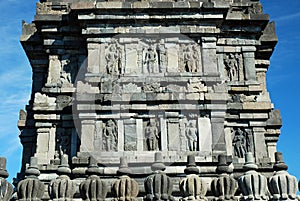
149	81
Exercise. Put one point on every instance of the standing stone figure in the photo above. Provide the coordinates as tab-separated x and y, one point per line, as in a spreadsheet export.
241	143
111	135
189	60
113	58
150	59
162	57
192	135
232	67
6	188
152	137
182	135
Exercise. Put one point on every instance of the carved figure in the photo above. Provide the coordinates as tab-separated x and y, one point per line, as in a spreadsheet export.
252	184
158	186
189	60
232	66
192	136
241	143
111	135
162	57
282	185
113	59
150	59
182	135
196	57
31	188
152	137
93	188
62	188
192	187
6	188
225	186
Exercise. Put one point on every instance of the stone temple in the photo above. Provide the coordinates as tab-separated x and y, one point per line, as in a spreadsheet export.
150	100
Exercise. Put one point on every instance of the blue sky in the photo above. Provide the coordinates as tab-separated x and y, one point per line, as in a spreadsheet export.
282	77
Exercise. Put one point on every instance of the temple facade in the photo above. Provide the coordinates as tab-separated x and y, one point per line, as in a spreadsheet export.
154	100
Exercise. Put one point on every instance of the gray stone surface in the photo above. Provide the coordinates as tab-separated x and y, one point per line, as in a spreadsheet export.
130	78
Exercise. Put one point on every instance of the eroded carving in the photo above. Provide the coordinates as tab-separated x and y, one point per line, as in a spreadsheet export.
110	134
241	142
192	135
234	67
151	60
152	135
113	58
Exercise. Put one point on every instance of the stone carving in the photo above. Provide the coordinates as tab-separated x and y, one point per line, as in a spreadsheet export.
22	115
93	188
63	101
189	61
63	140
162	56
234	67
150	60
110	134
6	188
62	188
131	88
282	185
192	135
182	134
196	85
152	87
152	135
255	8
113	58
241	143
225	186
252	184
158	186
125	188
31	189
192	187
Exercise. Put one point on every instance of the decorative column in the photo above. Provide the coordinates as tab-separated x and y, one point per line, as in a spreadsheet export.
252	184
249	62
225	186
158	186
6	188
31	188
62	188
125	188
282	185
192	187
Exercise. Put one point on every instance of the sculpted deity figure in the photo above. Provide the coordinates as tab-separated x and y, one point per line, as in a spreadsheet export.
192	135
241	143
152	137
111	135
162	57
232	66
113	58
150	59
189	60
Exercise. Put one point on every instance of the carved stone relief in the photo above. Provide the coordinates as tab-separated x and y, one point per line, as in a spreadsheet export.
189	59
234	67
192	135
110	136
113	56
152	135
151	56
242	142
63	140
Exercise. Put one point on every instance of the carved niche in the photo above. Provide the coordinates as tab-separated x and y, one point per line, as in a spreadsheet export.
110	136
152	135
242	142
234	67
150	56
